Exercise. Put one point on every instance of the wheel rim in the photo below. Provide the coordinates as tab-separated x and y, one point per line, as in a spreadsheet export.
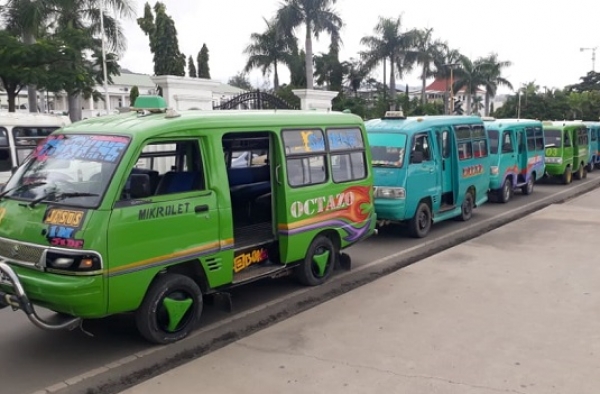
423	220
506	191
569	176
175	311
468	207
321	260
530	185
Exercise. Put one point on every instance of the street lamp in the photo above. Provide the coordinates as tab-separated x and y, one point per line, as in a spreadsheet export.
106	97
451	66
593	55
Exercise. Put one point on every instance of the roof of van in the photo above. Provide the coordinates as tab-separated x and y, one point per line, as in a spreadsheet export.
156	124
32	119
508	122
417	123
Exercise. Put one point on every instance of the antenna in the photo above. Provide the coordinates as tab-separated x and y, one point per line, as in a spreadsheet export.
593	55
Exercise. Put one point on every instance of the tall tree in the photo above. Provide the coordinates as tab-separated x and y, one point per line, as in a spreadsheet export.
203	67
266	50
317	16
389	42
425	50
355	74
445	60
469	76
191	68
164	45
28	19
134	93
492	69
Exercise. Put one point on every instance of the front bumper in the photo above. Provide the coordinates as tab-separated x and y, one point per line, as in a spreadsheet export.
20	300
390	209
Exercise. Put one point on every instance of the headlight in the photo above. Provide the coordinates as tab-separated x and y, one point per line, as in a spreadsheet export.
390	192
553	160
73	263
494	170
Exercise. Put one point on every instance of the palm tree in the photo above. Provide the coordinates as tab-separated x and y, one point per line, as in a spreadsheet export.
469	76
86	16
492	70
442	60
318	16
389	42
355	74
28	19
425	52
267	50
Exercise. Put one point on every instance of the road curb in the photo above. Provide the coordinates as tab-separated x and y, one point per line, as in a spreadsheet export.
129	371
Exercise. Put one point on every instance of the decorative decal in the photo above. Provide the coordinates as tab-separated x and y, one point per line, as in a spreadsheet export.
159	212
245	259
472	171
2	213
82	147
63	225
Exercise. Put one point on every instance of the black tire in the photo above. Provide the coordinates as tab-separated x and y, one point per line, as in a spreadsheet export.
528	188
590	167
567	177
584	171
420	225
579	174
506	191
466	209
309	272
152	318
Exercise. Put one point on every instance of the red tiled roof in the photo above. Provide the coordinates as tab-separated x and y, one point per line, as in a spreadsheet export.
440	85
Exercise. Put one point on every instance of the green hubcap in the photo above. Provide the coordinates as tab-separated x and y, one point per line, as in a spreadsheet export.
176	310
321	261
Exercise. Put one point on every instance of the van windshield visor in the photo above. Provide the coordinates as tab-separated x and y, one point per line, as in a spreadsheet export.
553	138
387	150
69	169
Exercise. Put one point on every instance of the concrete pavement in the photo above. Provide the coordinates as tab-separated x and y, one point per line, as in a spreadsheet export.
515	310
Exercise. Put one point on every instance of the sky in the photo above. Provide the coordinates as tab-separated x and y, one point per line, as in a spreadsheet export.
542	39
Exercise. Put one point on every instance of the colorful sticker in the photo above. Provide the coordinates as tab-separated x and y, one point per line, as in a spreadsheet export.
245	259
64	217
472	171
63	225
82	147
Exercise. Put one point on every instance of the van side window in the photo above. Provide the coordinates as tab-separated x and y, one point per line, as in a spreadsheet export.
445	144
166	168
5	162
507	143
305	157
594	134
567	139
347	154
531	138
422	145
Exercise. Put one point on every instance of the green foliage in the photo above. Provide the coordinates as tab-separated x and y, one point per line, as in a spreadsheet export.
133	95
285	92
161	31
191	68
203	67
589	82
240	80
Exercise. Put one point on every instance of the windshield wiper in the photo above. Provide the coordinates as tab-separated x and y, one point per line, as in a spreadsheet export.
60	196
21	187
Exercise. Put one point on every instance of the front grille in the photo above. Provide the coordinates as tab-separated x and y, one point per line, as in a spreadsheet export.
20	252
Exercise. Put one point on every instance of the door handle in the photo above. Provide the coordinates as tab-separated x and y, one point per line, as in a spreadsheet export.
201	208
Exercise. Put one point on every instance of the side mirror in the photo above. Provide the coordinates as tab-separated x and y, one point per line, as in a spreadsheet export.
416	157
139	185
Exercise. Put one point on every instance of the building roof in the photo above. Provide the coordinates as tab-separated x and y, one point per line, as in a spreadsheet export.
441	84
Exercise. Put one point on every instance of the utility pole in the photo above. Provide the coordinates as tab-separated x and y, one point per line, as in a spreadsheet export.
593	55
106	96
451	66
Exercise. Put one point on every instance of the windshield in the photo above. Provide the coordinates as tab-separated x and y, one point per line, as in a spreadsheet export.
70	169
553	138
387	150
494	136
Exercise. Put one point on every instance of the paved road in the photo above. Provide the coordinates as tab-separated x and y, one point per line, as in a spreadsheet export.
32	359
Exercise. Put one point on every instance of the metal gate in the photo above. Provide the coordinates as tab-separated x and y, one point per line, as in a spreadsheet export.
255	100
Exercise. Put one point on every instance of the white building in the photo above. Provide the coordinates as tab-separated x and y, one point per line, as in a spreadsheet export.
118	93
